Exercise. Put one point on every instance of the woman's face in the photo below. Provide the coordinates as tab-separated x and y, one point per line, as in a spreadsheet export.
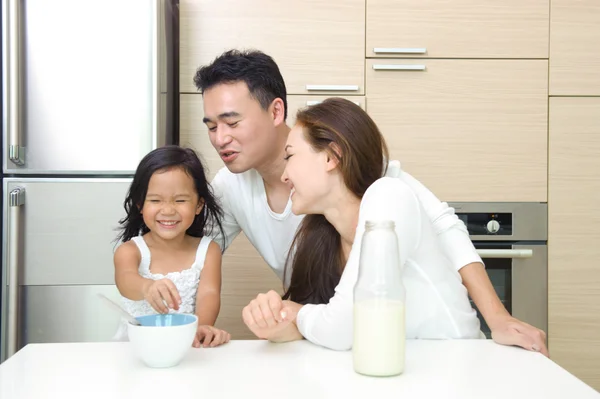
308	173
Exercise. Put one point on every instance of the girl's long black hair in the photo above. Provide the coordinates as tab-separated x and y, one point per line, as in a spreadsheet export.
162	159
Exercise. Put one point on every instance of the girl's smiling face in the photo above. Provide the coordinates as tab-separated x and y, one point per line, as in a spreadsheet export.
171	203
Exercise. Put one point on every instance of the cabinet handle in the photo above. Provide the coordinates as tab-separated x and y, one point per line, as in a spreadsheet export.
399	50
314	102
331	88
391	67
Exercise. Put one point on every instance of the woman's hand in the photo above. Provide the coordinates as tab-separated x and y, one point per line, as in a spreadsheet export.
507	330
209	336
269	317
162	293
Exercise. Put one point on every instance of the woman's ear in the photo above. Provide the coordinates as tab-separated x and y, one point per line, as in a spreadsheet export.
333	156
277	110
200	206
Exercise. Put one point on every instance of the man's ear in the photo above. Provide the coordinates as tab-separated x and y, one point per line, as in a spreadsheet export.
277	110
334	155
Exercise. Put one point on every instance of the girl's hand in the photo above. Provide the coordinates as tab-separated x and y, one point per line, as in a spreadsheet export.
161	292
209	336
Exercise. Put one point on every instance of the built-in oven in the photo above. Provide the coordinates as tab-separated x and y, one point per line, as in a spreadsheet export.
511	239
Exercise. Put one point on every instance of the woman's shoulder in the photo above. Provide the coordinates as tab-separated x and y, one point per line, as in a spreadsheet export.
388	188
386	196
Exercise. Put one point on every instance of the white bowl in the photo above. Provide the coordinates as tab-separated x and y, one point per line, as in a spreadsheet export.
163	340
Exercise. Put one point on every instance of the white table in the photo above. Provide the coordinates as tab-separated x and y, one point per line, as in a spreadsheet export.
259	369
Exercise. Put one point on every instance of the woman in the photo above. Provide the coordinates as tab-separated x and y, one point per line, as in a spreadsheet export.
335	159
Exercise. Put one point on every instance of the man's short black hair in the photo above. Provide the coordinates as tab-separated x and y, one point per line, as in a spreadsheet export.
258	70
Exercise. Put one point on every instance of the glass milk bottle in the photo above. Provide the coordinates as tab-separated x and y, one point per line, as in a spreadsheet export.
379	297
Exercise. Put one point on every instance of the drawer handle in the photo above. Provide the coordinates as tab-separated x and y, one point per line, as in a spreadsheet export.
505	253
399	50
314	102
331	88
384	67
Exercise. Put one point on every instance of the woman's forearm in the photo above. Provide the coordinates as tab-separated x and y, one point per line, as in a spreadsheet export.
481	290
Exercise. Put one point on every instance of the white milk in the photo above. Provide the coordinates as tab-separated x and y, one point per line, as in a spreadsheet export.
379	337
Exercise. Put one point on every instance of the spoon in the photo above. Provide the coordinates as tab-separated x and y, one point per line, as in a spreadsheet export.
116	307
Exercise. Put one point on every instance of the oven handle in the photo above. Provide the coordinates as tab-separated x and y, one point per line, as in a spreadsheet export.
505	253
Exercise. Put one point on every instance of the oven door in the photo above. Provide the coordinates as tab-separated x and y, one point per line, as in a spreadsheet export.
519	273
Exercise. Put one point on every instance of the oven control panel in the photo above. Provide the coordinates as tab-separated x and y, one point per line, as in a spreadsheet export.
487	223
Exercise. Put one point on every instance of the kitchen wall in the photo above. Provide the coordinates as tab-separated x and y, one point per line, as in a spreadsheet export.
481	101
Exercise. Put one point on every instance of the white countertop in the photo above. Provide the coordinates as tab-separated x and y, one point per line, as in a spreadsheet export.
259	369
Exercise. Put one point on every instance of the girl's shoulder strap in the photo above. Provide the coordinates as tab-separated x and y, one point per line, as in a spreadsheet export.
144	251
201	252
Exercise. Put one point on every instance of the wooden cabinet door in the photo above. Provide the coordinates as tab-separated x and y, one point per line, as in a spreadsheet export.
575	48
318	45
458	29
244	275
470	130
573	236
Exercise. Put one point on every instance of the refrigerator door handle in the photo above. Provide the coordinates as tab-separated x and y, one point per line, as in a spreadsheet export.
16	152
16	200
158	64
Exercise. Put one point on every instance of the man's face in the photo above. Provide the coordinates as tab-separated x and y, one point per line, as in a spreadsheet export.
242	132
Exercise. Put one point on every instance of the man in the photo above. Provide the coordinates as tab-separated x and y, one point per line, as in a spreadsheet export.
245	109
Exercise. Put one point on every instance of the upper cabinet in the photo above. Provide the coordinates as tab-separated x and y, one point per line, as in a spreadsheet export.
574	48
458	29
318	45
470	130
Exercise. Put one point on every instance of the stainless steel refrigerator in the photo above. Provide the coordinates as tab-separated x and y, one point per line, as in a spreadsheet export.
89	87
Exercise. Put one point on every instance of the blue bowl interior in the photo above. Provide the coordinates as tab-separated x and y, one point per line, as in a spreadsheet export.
166	320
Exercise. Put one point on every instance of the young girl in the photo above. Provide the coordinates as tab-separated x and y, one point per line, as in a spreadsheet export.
166	263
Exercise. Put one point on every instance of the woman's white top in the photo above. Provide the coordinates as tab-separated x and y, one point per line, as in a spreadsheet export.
437	304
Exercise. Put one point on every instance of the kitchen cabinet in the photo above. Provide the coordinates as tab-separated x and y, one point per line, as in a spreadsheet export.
574	44
573	236
458	29
470	130
245	275
318	45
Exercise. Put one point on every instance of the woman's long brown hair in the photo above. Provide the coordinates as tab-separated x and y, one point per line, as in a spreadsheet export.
347	133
